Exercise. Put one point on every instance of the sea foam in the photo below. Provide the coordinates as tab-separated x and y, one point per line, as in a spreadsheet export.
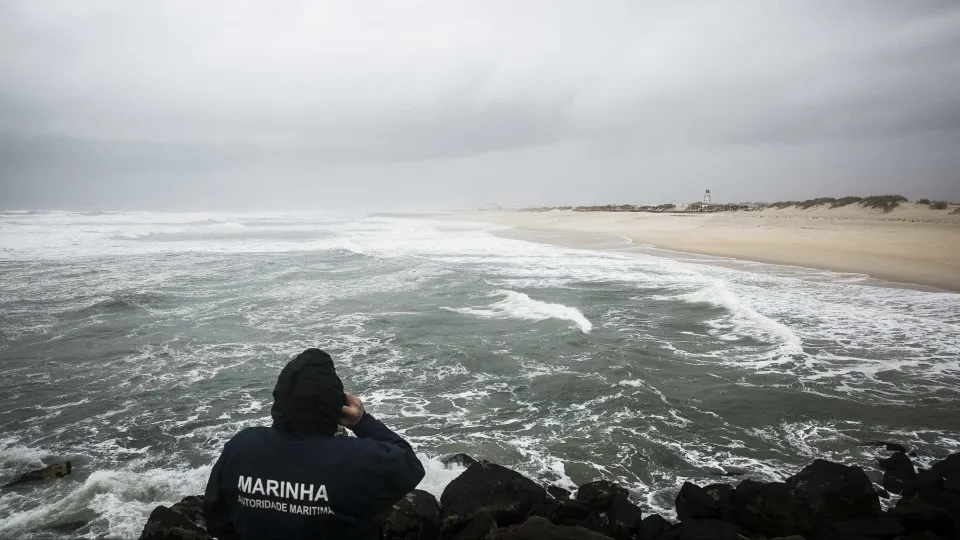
518	305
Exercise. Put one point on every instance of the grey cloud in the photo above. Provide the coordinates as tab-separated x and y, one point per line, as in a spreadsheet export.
443	103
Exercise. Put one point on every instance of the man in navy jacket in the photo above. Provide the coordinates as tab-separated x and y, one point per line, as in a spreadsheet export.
296	479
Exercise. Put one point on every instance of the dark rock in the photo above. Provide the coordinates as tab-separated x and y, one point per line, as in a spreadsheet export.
952	485
624	519
476	527
769	509
558	492
595	521
653	527
913	453
883	526
940	498
416	516
896	462
542	529
460	459
925	479
922	535
191	507
949	471
899	472
835	492
704	529
917	516
598	495
57	470
695	502
506	496
166	524
890	446
882	493
949	466
571	512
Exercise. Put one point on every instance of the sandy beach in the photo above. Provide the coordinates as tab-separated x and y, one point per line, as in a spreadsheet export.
912	244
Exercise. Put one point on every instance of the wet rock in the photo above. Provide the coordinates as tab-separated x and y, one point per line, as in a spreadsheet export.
653	527
890	446
571	512
939	498
191	507
835	492
949	471
416	516
595	521
918	516
883	526
542	529
623	519
477	527
57	470
558	492
695	502
703	529
769	509
486	490
598	495
925	479
459	459
166	524
899	472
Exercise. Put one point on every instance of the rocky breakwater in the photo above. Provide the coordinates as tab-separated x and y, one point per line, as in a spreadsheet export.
825	501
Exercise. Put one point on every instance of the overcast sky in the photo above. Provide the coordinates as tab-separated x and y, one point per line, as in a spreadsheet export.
368	104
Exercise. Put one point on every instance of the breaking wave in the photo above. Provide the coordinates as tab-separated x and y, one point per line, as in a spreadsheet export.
518	305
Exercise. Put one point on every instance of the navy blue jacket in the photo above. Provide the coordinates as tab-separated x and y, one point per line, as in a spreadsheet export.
272	484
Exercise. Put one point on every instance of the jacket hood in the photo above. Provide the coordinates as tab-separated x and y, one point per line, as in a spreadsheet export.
308	396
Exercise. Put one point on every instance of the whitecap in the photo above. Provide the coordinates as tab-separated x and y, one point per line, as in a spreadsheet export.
518	305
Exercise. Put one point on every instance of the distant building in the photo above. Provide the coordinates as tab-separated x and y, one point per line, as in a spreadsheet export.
706	197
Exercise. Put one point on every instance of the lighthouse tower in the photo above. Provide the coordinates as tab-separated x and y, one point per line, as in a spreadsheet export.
706	197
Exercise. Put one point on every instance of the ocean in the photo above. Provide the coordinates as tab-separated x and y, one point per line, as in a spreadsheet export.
135	344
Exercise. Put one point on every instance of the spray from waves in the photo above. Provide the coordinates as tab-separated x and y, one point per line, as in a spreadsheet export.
120	498
437	475
517	305
744	319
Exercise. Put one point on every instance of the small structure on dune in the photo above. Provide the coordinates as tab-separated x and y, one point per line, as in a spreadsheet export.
706	198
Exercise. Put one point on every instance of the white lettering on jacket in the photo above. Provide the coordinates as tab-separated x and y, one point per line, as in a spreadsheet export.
279	488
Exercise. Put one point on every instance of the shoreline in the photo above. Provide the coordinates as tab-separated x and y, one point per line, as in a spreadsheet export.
907	247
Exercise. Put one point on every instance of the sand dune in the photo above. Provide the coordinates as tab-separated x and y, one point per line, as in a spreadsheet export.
911	244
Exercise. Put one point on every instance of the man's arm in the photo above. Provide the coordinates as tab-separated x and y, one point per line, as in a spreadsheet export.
396	462
216	507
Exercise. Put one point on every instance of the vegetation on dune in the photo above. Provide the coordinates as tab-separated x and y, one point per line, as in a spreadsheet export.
810	203
883	202
877	202
955	211
938	205
845	201
783	204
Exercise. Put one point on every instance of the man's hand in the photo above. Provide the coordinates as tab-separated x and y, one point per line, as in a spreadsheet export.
352	412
